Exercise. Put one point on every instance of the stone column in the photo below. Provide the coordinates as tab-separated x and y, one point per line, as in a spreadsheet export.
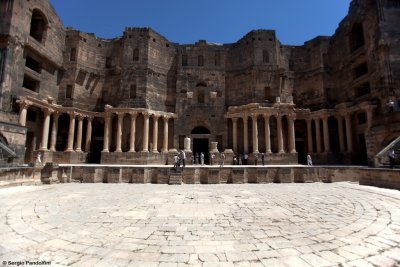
246	134
267	135
165	141
54	130
119	131
88	141
279	132
348	132
155	133
146	117
23	110
309	136
291	137
327	147
71	132
318	134
46	126
107	122
369	111
341	134
234	133
78	147
255	134
133	132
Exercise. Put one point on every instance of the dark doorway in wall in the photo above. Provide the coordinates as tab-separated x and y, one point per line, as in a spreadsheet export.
97	141
363	158
30	147
201	145
301	151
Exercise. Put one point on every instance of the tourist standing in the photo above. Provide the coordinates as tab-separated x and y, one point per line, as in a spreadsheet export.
212	159
263	159
176	162
240	159
202	158
392	157
183	158
245	158
309	160
235	160
222	159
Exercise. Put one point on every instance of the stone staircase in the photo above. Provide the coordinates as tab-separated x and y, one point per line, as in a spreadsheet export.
381	159
175	177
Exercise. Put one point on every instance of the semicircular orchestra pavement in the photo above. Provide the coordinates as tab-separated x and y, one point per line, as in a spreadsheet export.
201	225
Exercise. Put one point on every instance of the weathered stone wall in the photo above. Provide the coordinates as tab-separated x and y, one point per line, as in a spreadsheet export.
214	175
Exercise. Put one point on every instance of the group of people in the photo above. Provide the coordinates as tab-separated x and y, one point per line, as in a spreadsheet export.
180	159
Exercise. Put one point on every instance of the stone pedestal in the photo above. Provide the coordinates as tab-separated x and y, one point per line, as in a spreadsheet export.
214	148
229	156
187	145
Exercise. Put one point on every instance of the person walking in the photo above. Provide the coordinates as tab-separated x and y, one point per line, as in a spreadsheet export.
309	160
202	158
392	157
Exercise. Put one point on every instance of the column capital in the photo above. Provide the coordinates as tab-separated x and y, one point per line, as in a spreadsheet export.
254	115
80	117
234	119
89	118
133	114
47	111
155	116
146	115
324	116
120	114
24	103
308	120
72	114
166	118
292	116
266	116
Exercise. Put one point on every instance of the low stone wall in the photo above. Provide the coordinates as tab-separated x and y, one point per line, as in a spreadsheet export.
65	173
387	178
208	174
19	176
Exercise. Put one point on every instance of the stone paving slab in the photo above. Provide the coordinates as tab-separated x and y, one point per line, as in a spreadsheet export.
339	224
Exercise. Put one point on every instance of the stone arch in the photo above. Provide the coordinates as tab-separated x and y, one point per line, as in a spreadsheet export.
200	130
39	25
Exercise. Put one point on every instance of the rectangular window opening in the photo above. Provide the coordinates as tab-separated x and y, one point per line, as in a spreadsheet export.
30	84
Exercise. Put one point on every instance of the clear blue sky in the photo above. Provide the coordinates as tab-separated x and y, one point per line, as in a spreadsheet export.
219	21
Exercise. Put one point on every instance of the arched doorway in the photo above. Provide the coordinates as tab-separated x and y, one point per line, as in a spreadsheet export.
201	140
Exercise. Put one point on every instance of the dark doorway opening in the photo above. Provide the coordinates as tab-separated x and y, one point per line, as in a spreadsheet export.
301	152
201	145
363	158
96	145
95	150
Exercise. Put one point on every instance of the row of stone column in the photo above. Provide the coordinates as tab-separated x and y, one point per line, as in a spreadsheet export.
325	129
145	141
71	131
291	135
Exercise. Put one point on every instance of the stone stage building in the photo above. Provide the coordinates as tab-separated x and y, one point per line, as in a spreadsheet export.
134	99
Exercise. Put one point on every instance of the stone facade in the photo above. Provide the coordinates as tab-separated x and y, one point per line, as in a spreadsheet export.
134	99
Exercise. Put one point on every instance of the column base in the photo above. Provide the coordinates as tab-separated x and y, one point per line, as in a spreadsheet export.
105	150
69	150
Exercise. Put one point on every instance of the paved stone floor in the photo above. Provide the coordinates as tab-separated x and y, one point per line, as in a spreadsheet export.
338	224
